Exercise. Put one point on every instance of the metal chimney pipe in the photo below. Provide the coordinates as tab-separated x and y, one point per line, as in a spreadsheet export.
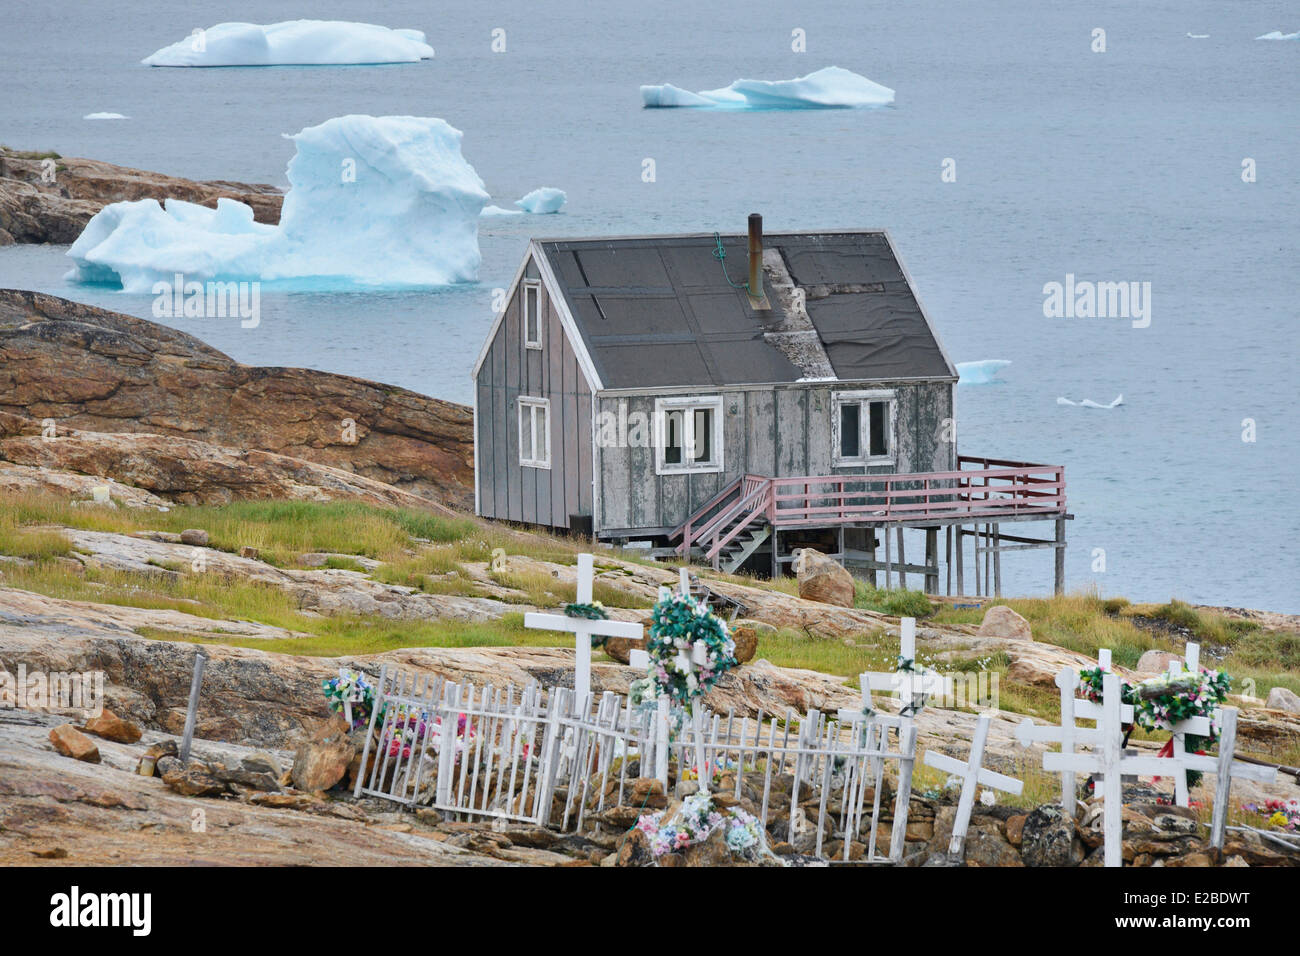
755	256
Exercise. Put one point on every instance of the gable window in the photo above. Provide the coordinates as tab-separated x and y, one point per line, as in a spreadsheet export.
863	428
532	290
534	432
688	435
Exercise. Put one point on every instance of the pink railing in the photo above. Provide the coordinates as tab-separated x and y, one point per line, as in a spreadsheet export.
981	488
1010	488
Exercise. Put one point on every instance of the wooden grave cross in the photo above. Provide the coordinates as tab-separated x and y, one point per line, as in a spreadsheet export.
684	662
972	775
583	629
1066	733
1109	760
912	688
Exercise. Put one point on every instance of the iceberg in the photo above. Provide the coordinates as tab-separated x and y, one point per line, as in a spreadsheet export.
294	43
984	372
827	88
546	199
383	201
498	211
105	116
1089	403
1279	35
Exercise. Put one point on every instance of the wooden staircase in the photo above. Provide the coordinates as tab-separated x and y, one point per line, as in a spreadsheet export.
731	526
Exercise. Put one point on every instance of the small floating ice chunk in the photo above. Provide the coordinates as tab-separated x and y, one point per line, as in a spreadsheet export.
406	215
1089	403
829	88
294	43
1198	36
545	199
105	116
984	372
498	211
1279	35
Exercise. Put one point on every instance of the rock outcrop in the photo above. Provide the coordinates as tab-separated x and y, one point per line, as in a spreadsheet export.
50	198
91	370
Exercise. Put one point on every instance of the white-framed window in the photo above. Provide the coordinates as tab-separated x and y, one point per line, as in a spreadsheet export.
534	432
688	435
862	430
532	295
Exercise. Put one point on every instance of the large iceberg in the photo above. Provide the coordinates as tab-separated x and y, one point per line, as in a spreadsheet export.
383	201
828	88
294	43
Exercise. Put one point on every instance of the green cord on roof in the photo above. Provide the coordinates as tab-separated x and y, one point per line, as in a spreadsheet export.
721	255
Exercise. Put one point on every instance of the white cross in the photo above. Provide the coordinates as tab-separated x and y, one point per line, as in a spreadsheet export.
354	696
1113	764
1200	726
1067	734
686	663
583	630
972	774
911	687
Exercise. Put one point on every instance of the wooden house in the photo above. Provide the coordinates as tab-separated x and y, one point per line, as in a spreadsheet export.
728	397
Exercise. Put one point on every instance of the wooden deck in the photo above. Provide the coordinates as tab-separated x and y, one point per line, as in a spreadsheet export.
985	491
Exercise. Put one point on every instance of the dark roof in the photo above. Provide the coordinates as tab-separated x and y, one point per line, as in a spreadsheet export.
658	310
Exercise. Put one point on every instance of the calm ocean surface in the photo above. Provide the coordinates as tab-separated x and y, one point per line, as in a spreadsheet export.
1121	166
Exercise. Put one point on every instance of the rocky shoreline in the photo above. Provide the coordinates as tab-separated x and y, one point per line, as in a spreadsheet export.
45	197
160	411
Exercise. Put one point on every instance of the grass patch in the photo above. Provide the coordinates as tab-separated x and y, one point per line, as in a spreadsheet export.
32	544
895	602
1207	627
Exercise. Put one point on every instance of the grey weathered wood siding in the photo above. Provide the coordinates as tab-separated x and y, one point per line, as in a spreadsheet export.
781	432
507	489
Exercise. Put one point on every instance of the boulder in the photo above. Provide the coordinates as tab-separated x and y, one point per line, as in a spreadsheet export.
620	648
1050	838
71	742
262	762
195	537
1002	622
1156	662
823	580
322	761
1279	698
112	727
746	638
1033	671
193	781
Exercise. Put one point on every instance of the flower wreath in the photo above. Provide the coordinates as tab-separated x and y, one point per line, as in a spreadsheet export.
677	622
1176	704
595	611
351	688
699	818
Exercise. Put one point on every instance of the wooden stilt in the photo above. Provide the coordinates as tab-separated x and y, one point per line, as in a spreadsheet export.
776	556
975	537
887	558
988	562
902	562
997	561
1060	556
961	580
872	545
947	558
932	560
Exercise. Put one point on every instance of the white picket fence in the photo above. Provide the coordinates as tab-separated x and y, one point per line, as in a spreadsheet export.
503	753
